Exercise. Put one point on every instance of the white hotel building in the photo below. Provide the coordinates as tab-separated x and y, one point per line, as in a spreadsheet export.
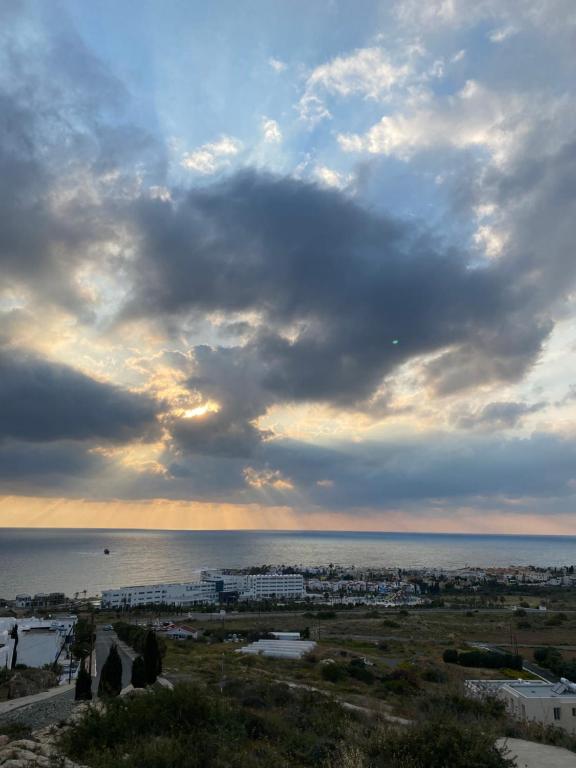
212	588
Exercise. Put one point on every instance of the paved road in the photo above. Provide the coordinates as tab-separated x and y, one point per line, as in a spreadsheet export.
102	647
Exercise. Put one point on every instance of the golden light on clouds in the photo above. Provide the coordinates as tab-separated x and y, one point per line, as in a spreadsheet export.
201	410
154	514
267	478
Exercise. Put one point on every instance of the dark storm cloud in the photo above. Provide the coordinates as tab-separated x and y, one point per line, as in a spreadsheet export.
230	377
41	401
384	475
66	157
340	299
498	415
444	472
335	286
45	465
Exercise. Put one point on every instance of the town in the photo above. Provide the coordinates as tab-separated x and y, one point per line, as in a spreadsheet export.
387	642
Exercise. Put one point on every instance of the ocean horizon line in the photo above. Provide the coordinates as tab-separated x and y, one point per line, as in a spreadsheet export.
300	531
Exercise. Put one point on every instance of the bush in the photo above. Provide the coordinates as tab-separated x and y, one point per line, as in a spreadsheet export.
556	620
437	744
450	656
401	681
333	673
326	615
433	674
390	623
257	725
359	671
486	659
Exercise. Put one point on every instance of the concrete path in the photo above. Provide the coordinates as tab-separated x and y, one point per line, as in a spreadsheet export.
529	754
42	712
25	701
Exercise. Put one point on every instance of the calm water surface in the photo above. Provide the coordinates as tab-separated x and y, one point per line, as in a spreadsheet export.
72	560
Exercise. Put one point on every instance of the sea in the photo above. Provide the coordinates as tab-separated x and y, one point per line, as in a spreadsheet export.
73	560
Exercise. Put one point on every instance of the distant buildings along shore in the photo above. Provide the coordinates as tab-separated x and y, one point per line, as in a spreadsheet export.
213	587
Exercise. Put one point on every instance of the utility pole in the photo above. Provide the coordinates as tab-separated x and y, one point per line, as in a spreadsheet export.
222	678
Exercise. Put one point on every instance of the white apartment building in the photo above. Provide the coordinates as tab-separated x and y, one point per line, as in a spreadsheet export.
262	586
208	590
532	700
186	593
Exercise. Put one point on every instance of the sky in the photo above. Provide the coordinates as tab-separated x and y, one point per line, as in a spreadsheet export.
288	265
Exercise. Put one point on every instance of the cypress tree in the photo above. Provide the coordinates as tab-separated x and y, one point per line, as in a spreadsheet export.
14	636
83	691
111	674
138	679
152	658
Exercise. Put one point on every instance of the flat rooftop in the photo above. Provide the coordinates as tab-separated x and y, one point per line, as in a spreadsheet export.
537	690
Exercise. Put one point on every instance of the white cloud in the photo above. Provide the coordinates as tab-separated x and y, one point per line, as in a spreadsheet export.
543	15
475	116
271	131
331	178
367	72
276	64
499	35
211	157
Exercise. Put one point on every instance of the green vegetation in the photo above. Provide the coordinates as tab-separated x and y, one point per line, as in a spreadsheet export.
257	725
83	690
138	678
83	637
551	658
152	658
483	659
111	675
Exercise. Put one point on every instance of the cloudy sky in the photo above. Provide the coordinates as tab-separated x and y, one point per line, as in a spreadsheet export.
288	264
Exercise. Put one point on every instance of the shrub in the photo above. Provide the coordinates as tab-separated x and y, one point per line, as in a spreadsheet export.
489	659
438	744
326	615
359	671
333	673
433	674
450	656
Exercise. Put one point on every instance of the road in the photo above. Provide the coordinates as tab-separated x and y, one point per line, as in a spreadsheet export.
102	645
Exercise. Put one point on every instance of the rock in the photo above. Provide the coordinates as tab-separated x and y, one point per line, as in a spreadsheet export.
25	744
4	740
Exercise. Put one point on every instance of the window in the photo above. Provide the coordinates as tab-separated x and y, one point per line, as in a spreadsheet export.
573	711
557	713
